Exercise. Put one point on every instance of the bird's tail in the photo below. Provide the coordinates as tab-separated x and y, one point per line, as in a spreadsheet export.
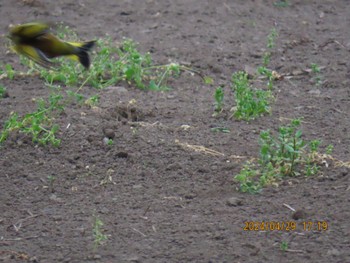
82	52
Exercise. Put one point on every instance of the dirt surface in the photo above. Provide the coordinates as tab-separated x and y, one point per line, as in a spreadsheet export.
160	200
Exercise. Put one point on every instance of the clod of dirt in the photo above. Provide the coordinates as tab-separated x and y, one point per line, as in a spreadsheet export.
133	259
299	214
109	133
129	113
234	201
92	138
251	71
190	196
54	197
122	155
345	171
173	167
333	252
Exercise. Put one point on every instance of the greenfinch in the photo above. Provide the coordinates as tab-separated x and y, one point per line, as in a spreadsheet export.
35	41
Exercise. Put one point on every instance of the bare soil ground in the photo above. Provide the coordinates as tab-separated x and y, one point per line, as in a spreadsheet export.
163	201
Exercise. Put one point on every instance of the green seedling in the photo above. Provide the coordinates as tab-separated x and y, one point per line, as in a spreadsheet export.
268	74
207	80
247	179
110	142
3	92
219	100
271	43
92	101
329	149
263	70
97	233
250	103
9	71
284	246
316	70
271	38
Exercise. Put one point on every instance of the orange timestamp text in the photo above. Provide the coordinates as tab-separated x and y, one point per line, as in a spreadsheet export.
285	226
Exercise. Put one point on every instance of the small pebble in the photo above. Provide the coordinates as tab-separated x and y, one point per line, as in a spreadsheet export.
299	214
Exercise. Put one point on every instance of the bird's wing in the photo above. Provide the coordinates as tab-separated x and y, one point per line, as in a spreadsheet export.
33	53
30	30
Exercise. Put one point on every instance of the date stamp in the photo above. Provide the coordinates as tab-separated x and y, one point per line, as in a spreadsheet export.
285	226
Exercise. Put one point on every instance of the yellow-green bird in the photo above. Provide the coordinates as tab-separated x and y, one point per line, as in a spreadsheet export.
35	41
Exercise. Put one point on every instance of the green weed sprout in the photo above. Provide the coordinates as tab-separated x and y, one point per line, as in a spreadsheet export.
247	179
250	103
3	91
315	69
97	232
263	70
283	152
112	64
38	125
281	155
284	246
219	100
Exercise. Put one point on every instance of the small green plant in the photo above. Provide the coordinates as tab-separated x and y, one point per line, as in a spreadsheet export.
93	100
281	155
250	103
247	179
316	70
329	149
110	142
284	246
3	91
9	71
282	3
219	100
111	65
97	232
263	70
271	38
310	167
283	152
38	125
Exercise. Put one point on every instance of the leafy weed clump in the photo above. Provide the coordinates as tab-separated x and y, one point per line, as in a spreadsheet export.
219	100
112	63
39	125
250	103
97	231
281	155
